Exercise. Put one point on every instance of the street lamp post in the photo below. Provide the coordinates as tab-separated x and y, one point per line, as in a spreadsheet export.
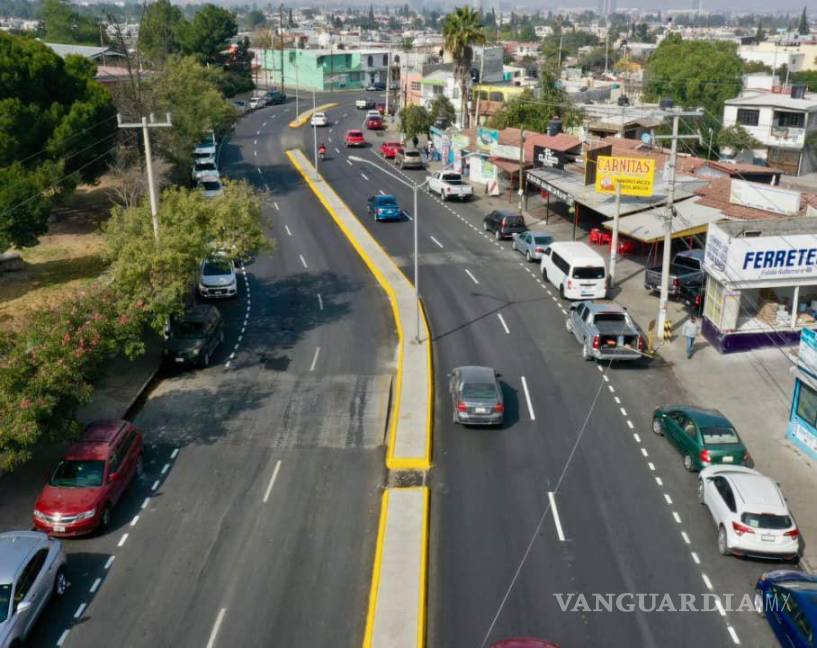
314	132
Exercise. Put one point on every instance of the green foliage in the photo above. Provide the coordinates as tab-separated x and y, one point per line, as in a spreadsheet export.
462	30
756	67
57	128
254	19
63	24
159	31
737	138
207	35
571	41
593	61
414	121
530	113
442	108
803	28
807	78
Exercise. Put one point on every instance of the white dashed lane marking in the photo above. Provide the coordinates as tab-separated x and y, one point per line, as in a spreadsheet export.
436	242
471	275
286	227
504	325
303	261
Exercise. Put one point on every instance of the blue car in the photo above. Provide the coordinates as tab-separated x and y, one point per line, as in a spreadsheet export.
789	600
384	208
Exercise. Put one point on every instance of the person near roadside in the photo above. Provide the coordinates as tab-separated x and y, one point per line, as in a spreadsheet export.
690	331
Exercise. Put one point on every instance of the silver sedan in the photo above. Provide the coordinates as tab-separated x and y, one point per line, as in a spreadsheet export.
531	244
476	397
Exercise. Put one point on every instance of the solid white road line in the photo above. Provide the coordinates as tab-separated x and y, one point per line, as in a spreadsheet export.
470	274
272	481
315	359
436	242
286	227
363	175
527	398
303	261
214	632
320	301
556	520
504	325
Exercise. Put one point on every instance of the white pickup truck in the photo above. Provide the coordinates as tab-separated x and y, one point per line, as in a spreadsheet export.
449	184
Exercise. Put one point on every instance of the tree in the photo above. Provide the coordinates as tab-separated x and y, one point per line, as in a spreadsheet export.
371	23
407	43
807	78
461	31
442	109
756	67
62	24
530	113
737	138
760	35
254	19
159	31
414	121
57	126
803	28
208	34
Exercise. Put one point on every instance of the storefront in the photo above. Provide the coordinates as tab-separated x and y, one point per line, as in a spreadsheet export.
802	430
761	284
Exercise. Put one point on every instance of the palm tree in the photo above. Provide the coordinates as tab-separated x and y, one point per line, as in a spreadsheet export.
461	30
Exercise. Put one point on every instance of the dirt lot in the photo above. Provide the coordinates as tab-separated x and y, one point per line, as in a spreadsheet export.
67	257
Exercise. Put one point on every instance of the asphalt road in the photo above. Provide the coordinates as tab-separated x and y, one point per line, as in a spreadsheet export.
256	520
577	437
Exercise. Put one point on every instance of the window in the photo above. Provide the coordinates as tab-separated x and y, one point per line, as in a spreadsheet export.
385	59
415	86
807	404
748	117
560	263
437	90
725	491
29	575
77	474
588	272
690	430
478	390
5	597
370	60
789	120
719	436
496	96
800	621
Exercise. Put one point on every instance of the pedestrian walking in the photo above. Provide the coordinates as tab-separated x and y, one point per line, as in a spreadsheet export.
690	331
430	150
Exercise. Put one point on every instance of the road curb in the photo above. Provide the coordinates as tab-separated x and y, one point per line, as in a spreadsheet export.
301	119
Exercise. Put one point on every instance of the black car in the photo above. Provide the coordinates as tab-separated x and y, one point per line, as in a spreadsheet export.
504	223
378	86
692	296
193	338
274	97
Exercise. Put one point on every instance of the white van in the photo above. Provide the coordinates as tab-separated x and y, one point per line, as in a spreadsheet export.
577	270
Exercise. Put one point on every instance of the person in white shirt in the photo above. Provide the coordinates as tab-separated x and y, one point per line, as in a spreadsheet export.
690	331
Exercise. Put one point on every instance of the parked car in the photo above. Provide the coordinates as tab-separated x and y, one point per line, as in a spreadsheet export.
217	277
355	138
32	573
476	397
384	208
576	269
531	244
504	223
205	168
692	295
364	104
211	186
206	146
275	97
374	123
704	437
389	149
240	106
788	600
409	159
373	113
193	338
257	101
377	86
380	106
319	119
89	480
605	330
686	268
750	513
449	184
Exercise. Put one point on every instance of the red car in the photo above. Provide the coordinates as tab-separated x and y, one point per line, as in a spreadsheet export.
90	478
389	149
380	106
355	138
374	123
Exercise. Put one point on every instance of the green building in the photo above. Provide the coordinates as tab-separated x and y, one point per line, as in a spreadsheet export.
324	69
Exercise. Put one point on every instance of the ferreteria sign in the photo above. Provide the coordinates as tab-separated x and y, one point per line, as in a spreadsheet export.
634	175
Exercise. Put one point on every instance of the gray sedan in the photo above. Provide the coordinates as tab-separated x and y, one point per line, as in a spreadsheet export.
531	244
32	571
476	397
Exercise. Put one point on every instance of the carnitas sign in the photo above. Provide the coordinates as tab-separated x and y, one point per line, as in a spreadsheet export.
634	175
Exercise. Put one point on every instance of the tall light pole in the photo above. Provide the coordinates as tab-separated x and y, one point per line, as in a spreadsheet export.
314	132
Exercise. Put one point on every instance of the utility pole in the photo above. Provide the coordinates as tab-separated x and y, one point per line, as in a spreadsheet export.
297	112
281	21
559	65
314	132
614	240
146	125
481	72
606	48
388	83
665	261
521	166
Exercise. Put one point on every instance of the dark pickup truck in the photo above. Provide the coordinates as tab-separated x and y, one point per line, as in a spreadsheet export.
686	269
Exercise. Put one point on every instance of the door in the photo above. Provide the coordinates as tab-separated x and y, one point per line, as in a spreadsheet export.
28	591
689	437
523	242
578	315
116	485
672	427
722	502
129	451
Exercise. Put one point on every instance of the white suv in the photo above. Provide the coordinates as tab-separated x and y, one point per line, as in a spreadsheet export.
319	119
749	511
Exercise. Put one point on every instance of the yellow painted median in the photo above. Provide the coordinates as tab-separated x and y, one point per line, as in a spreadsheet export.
304	117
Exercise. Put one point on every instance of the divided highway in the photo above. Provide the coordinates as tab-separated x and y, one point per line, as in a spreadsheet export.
575	495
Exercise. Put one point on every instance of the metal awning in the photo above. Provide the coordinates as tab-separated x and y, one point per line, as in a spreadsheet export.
648	226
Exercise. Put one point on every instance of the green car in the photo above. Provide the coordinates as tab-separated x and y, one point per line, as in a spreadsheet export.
704	437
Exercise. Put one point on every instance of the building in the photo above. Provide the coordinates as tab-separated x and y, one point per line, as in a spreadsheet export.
328	69
487	60
798	56
782	120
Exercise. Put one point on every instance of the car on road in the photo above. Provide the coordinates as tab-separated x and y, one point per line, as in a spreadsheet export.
319	119
750	513
192	338
217	277
531	244
89	480
257	101
384	208
704	437
374	123
211	186
575	269
32	573
409	159
354	138
503	223
390	148
449	184
380	106
274	97
686	269
788	600
377	86
205	168
476	396
364	104
605	330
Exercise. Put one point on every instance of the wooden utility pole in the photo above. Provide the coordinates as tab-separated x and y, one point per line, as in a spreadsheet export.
281	34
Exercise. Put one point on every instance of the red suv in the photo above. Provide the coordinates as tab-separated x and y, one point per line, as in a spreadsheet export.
374	123
389	149
355	138
90	478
